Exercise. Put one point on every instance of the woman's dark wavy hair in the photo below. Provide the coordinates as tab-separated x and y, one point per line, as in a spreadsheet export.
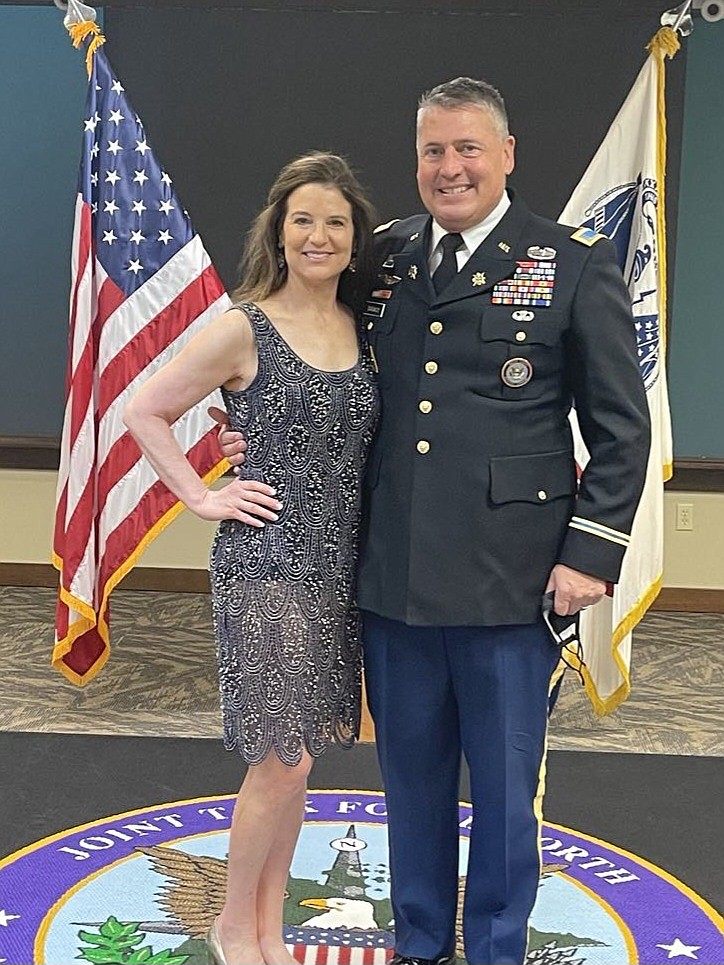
260	272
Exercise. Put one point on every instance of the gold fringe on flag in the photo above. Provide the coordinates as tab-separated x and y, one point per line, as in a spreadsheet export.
665	43
79	32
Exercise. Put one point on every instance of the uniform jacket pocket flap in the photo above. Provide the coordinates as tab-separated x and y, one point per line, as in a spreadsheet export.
535	478
543	328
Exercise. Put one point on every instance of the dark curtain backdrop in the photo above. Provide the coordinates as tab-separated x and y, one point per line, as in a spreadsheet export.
229	95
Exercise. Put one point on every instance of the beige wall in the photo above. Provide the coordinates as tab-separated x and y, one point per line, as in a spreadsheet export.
26	525
692	559
696	558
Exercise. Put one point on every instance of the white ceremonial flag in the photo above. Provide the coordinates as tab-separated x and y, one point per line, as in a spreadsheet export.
621	195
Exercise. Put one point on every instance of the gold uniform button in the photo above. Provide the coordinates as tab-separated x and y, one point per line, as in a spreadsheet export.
423	446
542	494
370	325
520	336
431	367
435	327
425	406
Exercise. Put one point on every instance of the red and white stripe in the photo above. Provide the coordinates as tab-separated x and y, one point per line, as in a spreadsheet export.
339	955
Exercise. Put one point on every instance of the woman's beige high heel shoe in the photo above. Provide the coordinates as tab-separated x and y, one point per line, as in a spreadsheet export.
213	943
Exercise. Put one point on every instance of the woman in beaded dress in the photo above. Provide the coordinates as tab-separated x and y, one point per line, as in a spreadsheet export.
297	380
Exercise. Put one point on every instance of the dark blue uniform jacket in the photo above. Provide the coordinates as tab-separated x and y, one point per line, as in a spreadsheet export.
472	493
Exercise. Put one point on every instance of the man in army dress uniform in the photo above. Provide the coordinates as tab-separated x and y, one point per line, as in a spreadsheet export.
486	323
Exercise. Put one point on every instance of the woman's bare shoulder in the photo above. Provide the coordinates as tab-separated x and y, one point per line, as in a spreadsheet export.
235	323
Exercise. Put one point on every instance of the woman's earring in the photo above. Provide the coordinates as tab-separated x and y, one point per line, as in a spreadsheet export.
352	266
281	260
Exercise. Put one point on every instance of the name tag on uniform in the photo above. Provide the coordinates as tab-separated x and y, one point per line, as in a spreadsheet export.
375	308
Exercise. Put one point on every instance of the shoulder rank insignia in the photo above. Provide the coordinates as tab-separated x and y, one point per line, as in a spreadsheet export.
384	227
586	236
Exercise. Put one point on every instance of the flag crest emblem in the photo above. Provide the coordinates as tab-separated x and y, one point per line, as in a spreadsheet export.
627	214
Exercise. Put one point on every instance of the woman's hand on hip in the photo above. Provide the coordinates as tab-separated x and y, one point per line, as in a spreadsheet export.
247	500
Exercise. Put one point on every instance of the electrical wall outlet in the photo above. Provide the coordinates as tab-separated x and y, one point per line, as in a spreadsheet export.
685	516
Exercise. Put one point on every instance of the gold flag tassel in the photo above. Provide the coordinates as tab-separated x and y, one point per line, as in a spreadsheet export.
80	32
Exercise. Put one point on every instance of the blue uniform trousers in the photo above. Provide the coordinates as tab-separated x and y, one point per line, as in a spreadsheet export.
433	693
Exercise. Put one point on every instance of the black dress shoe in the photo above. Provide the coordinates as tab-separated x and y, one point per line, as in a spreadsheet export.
398	959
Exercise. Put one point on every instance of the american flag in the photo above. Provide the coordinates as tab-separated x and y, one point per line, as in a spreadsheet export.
142	285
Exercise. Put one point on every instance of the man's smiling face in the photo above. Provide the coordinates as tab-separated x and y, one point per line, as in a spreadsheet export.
462	164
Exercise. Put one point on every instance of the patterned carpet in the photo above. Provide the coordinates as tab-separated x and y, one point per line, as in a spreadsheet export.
161	678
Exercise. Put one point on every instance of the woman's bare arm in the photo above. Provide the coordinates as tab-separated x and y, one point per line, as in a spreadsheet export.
223	351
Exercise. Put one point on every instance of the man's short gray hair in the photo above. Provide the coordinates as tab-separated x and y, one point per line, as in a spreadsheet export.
464	92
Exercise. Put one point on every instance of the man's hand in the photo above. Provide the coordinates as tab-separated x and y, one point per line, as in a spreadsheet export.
231	443
573	590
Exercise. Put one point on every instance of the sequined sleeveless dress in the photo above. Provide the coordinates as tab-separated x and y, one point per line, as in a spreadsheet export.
286	625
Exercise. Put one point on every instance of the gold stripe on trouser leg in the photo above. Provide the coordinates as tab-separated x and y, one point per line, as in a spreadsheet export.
558	672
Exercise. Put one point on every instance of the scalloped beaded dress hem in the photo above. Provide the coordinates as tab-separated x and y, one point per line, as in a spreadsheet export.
286	625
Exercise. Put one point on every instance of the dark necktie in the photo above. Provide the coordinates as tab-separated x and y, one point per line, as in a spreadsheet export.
448	267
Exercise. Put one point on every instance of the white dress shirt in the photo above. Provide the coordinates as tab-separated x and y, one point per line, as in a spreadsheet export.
472	237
